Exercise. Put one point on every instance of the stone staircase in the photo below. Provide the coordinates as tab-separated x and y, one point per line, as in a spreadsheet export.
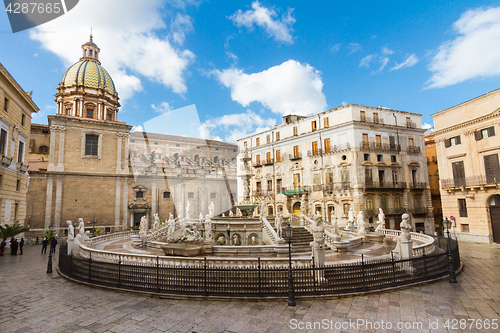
301	240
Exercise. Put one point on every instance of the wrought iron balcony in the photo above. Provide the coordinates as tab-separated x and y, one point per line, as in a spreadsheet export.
268	162
417	186
413	150
257	164
317	152
290	190
418	210
470	181
382	147
384	185
293	157
6	160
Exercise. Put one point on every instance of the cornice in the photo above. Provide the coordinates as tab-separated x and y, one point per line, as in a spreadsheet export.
494	114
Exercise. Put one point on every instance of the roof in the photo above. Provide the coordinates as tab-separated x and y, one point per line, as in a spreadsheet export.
88	73
18	88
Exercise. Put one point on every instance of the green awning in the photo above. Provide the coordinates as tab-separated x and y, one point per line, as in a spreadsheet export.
170	159
191	160
292	192
211	161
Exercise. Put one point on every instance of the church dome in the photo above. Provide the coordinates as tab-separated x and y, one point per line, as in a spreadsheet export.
88	73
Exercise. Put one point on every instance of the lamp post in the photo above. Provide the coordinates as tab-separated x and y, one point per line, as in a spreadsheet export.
93	221
288	232
451	269
49	264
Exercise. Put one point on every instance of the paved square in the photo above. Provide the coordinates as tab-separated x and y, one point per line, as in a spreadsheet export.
33	301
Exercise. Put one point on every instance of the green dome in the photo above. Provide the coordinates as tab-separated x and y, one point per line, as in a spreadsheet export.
90	74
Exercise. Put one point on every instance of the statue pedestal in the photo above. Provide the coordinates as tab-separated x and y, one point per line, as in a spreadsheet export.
406	249
281	248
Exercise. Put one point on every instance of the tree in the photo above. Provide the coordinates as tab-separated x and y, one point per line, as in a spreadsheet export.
9	231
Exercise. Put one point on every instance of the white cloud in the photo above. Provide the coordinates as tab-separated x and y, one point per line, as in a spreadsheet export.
280	30
181	25
383	61
410	61
427	126
235	126
287	88
137	129
354	47
335	48
386	51
164	107
474	53
365	62
125	32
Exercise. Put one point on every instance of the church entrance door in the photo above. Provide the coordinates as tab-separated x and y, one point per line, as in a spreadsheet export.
137	218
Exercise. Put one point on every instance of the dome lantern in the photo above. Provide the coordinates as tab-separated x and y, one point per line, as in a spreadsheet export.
90	51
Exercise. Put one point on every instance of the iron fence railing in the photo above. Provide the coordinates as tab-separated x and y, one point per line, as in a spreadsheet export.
261	280
384	185
469	181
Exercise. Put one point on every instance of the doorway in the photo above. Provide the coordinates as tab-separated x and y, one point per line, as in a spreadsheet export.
296	208
137	218
495	217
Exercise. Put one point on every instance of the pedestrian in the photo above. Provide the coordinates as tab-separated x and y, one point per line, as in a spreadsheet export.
21	244
3	244
45	242
13	246
53	244
36	240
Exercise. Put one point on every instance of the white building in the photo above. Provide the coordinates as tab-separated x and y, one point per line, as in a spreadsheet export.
351	156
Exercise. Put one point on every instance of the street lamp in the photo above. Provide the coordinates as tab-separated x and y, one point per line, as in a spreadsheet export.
451	269
288	233
49	264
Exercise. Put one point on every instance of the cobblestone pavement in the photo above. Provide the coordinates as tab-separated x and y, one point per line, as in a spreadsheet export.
33	301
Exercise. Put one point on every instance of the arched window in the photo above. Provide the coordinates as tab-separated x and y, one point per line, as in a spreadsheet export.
43	149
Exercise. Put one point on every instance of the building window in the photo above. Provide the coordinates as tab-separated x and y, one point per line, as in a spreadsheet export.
368	176
20	152
329	177
166	195
18	185
315	148
91	144
68	112
492	169
108	116
462	207
378	142
452	141
245	144
370	205
465	227
277	136
139	195
362	115
257	142
366	157
346	208
395	176
269	185
410	144
257	159
190	195
22	119
268	157
5	104
296	151
485	133
278	185
258	187
327	122
278	156
295	131
296	180
213	195
43	150
316	182
328	147
3	141
393	159
313	125
375	118
458	173
380	158
90	113
268	138
16	210
408	122
397	204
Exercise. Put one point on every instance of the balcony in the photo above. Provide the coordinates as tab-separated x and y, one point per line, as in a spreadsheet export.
291	190
269	162
413	150
411	124
470	181
330	188
369	184
417	186
372	120
312	153
418	210
22	167
381	147
257	164
394	211
294	157
6	160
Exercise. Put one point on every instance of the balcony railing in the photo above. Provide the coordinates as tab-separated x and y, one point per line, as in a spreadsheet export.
384	185
22	167
373	146
268	162
414	150
417	186
295	189
372	120
469	181
6	160
329	188
257	164
317	152
418	210
295	156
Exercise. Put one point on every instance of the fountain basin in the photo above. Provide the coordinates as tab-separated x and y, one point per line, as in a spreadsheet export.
183	250
374	237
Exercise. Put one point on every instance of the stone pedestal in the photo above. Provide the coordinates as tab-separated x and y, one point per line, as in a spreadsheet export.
281	248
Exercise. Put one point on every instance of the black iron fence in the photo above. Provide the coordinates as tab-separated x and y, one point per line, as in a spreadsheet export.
260	280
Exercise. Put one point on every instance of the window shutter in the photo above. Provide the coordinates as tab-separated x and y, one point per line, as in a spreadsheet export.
458	173
478	135
492	169
447	143
491	131
458	140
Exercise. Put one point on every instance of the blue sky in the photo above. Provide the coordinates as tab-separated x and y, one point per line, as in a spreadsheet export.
241	65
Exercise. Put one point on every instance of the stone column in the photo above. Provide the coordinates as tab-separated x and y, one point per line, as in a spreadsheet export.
117	203
119	152
125	203
58	205
73	112
52	146
125	155
153	198
48	202
99	114
81	108
60	161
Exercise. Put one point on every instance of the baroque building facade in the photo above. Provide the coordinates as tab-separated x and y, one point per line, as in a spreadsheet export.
15	122
353	156
86	163
468	148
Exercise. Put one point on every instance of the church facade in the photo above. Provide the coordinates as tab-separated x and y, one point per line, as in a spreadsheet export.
85	163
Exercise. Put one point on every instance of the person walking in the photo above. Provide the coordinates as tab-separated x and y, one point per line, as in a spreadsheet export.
13	246
21	244
45	242
36	240
3	244
53	244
